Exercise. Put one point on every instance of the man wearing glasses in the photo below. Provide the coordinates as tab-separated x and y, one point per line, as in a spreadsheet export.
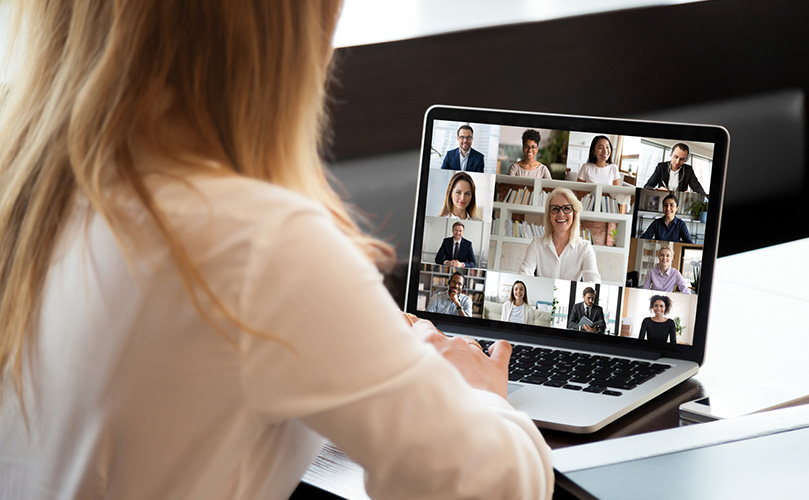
464	157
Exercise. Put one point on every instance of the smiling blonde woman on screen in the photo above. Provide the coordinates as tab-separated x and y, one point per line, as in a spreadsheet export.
159	191
561	253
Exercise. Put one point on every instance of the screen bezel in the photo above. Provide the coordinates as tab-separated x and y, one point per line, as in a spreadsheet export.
563	337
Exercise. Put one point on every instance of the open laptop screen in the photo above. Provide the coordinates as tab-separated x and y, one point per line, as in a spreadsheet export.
557	226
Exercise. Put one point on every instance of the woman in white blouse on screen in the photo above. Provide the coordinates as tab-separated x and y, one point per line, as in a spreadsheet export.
516	308
561	253
599	168
162	186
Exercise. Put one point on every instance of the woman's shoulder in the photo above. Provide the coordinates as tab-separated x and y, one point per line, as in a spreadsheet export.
231	202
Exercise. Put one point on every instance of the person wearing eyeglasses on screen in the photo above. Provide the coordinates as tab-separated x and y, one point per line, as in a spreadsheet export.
561	253
529	166
464	157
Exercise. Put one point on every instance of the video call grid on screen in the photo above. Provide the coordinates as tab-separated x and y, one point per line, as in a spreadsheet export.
626	235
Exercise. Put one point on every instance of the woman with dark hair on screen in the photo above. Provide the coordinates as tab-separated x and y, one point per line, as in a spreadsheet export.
599	168
669	227
659	328
460	202
516	309
561	253
529	166
162	212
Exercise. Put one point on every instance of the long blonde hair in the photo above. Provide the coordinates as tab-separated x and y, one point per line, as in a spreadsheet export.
245	78
575	234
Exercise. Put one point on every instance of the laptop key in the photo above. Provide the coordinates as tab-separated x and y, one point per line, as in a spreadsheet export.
595	389
572	387
612	393
555	383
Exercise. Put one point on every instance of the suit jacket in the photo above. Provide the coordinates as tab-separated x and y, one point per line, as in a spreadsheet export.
688	180
452	160
596	315
465	252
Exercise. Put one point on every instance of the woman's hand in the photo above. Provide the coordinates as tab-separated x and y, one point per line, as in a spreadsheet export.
489	373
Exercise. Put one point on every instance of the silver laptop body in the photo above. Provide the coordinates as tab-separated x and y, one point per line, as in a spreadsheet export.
625	226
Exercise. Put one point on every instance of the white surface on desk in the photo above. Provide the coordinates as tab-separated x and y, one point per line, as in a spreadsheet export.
759	319
640	446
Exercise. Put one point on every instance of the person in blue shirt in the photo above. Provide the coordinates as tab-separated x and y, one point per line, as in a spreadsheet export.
668	227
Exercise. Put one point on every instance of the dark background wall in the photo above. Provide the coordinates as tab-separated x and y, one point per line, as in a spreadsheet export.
737	63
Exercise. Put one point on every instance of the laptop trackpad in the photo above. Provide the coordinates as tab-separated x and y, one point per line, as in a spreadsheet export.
513	388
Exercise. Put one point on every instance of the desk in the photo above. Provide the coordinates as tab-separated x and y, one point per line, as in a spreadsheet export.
755	335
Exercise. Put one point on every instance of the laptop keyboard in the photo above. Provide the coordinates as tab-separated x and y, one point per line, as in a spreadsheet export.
577	371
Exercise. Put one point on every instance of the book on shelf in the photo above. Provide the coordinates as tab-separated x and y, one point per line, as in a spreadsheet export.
521	196
611	206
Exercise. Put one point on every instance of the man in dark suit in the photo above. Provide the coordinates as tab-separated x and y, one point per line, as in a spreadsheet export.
675	174
456	251
464	157
587	309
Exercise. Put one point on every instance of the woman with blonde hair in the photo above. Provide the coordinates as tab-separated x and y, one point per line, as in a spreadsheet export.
561	253
158	199
460	201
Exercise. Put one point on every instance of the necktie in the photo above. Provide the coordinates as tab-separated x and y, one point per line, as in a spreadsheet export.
455	251
587	312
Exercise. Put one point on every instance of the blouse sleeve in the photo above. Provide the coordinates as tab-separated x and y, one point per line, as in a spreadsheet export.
347	366
512	170
589	265
616	173
672	331
530	261
546	173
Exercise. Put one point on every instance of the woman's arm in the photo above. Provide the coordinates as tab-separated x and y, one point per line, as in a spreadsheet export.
685	236
672	331
505	313
355	373
589	271
529	262
643	328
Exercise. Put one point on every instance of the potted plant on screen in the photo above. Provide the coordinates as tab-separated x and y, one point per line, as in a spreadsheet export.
699	209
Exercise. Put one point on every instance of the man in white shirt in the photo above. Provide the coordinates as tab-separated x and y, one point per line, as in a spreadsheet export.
675	174
456	251
587	309
453	301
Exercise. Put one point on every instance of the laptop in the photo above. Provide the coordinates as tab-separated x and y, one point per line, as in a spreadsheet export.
587	243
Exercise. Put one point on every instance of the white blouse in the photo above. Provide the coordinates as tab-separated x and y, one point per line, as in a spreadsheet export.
590	172
577	261
130	394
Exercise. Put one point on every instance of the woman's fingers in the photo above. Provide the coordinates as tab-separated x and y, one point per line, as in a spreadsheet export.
500	351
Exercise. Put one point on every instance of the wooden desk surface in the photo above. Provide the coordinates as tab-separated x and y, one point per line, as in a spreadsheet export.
756	335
